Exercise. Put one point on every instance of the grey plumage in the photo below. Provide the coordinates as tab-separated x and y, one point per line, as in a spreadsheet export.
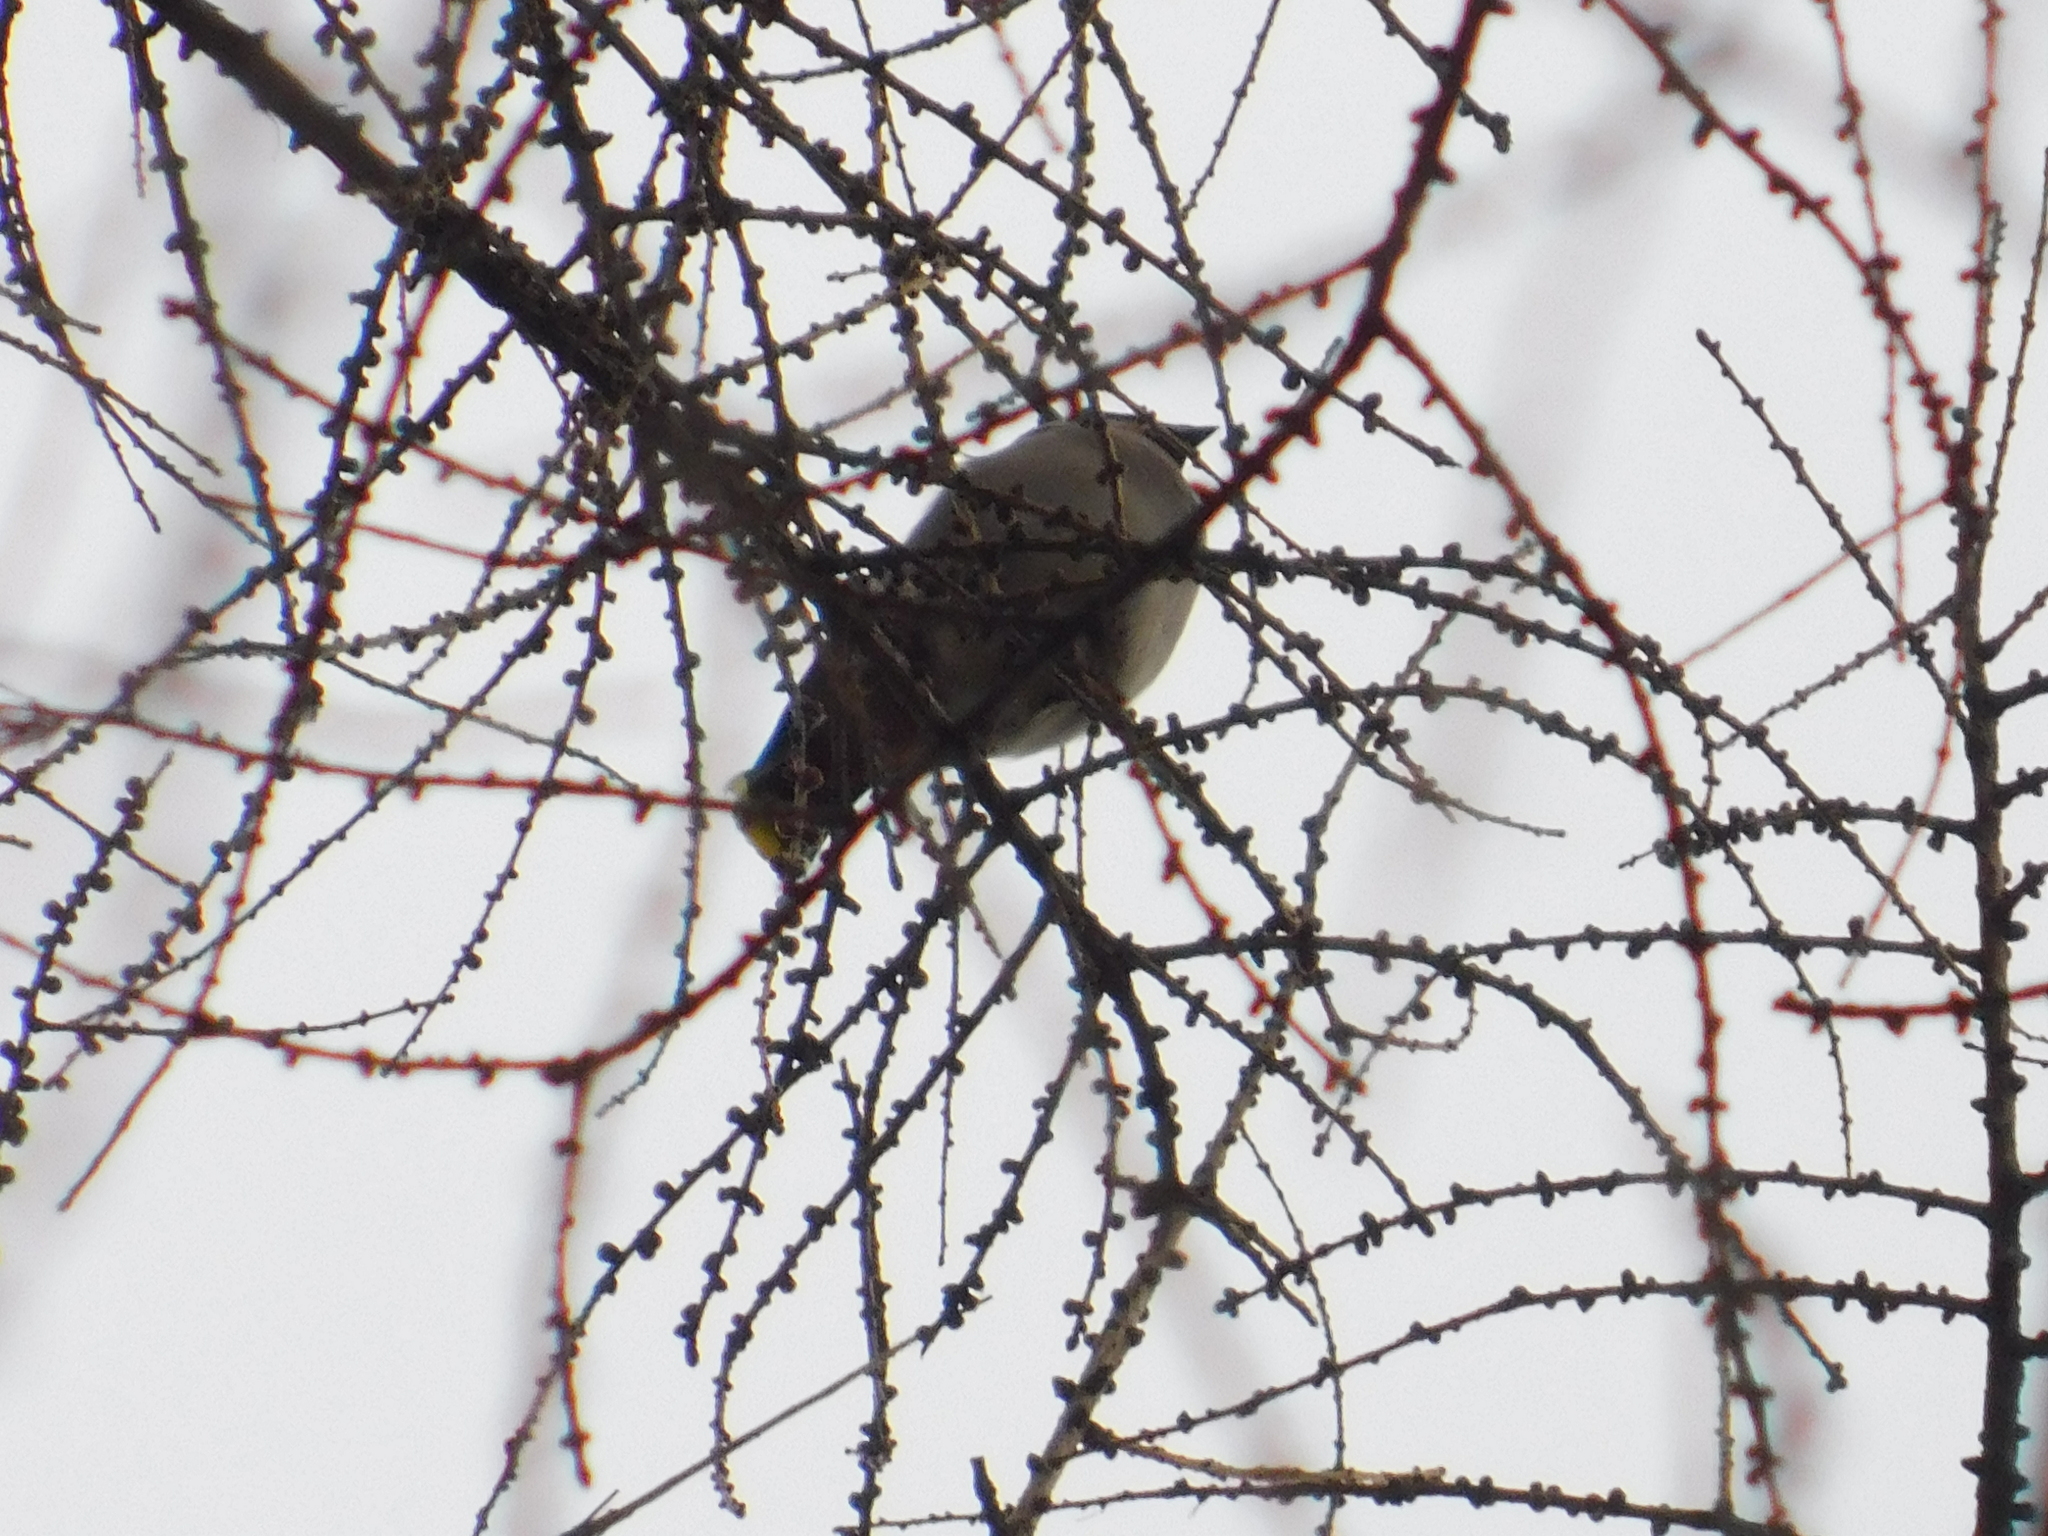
1006	605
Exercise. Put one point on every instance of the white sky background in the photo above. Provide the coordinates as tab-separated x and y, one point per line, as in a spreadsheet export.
313	1300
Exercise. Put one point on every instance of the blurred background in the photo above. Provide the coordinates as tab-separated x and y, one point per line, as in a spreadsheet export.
399	1020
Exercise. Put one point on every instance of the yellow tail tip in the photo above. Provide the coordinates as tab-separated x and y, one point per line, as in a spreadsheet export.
759	826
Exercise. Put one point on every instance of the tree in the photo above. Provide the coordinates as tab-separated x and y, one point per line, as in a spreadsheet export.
1555	939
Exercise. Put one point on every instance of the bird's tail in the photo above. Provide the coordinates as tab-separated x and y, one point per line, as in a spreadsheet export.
804	785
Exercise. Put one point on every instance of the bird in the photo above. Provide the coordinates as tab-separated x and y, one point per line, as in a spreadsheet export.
1003	625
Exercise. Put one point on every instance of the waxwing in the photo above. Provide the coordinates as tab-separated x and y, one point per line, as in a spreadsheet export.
1009	604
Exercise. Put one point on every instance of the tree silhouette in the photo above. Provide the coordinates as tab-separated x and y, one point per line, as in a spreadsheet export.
1428	1061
